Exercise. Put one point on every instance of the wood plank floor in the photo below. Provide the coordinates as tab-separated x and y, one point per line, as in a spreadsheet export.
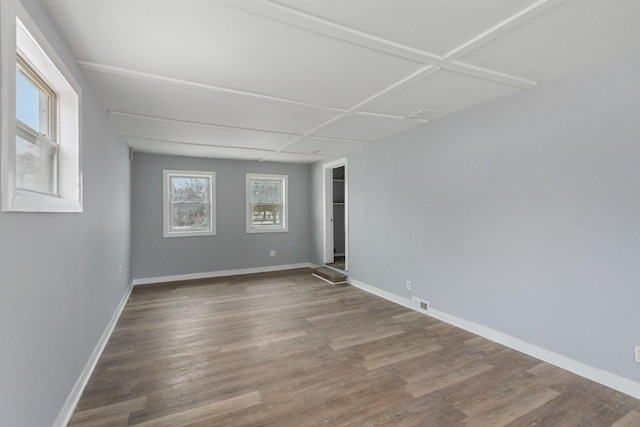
287	349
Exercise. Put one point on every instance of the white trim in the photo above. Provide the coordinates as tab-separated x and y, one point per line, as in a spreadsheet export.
405	302
167	174
329	281
155	78
220	273
64	416
327	216
307	22
327	213
20	33
514	21
598	375
284	227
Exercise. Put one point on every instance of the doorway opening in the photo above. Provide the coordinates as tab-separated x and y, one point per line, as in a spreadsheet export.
336	198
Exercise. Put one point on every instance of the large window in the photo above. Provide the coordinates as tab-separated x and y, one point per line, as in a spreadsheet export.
40	120
267	203
189	203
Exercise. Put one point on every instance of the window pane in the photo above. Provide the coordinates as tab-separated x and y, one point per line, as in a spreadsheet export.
266	214
32	104
189	190
190	216
266	191
35	166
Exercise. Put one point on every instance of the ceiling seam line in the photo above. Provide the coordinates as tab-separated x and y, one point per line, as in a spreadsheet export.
310	132
171	141
238	128
511	23
140	75
187	122
382	45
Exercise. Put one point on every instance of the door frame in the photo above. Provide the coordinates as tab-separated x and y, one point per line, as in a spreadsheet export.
327	191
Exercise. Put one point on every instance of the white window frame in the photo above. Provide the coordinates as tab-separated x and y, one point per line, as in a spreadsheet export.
20	35
35	136
167	174
284	227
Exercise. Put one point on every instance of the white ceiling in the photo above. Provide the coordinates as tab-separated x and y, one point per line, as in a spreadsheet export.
302	80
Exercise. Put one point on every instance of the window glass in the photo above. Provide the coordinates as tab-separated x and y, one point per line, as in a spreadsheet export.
34	100
36	152
190	203
27	102
41	169
266	200
35	166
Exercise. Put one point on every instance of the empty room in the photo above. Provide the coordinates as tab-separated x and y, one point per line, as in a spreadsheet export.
337	213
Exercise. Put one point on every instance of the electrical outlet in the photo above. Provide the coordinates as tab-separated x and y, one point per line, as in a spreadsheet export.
408	285
637	353
272	253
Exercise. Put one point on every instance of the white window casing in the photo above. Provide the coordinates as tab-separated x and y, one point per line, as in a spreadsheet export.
198	206
267	212
21	36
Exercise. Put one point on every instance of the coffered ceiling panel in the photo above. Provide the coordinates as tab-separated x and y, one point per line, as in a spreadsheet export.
209	43
365	128
193	150
442	92
322	146
574	34
294	157
435	26
201	106
297	80
181	132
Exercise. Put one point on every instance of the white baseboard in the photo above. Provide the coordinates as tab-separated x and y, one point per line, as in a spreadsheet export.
328	281
64	416
221	273
608	379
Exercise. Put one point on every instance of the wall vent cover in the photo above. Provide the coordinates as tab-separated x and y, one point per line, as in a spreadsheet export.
420	304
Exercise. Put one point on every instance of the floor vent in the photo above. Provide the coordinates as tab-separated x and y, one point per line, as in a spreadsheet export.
329	275
420	304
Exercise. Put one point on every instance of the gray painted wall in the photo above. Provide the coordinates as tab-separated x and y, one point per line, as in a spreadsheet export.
60	273
522	215
231	248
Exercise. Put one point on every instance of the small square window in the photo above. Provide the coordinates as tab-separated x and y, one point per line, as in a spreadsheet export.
266	203
189	203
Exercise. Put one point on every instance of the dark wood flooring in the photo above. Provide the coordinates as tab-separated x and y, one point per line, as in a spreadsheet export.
287	349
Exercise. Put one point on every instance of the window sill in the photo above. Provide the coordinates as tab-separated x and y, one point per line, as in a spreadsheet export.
168	234
24	201
267	230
